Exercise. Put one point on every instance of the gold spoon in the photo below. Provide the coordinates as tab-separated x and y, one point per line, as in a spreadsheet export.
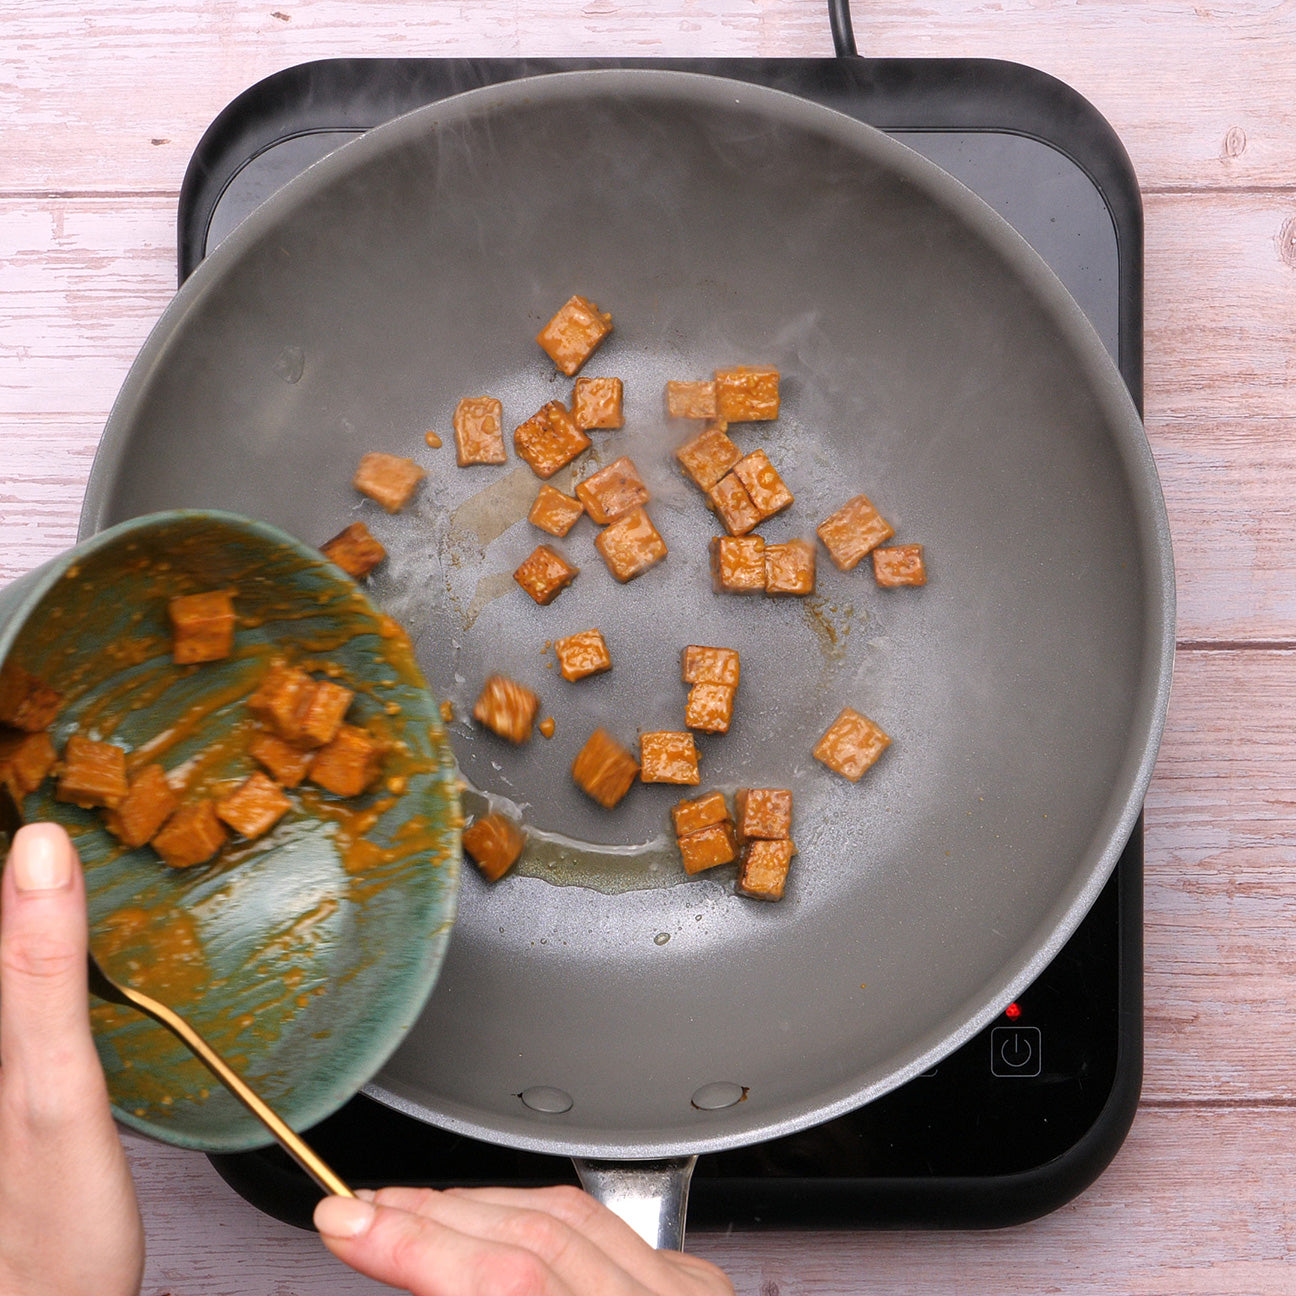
104	987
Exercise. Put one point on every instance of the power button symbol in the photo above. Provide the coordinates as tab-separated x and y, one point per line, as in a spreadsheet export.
1015	1051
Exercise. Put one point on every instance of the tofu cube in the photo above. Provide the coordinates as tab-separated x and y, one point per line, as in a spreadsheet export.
387	479
149	803
709	708
254	807
202	626
493	843
506	708
613	491
765	487
596	404
322	711
582	654
25	760
603	769
666	757
789	568
708	847
899	565
286	764
730	501
708	456
354	550
549	439
574	333
747	394
553	511
630	545
348	764
702	812
280	698
764	813
693	400
192	835
854	530
851	745
26	702
479	431
545	574
93	774
764	869
702	665
737	564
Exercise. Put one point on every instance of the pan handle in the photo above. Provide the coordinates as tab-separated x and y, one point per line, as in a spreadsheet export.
651	1196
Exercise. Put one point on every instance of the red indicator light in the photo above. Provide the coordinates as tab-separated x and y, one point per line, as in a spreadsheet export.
1013	1011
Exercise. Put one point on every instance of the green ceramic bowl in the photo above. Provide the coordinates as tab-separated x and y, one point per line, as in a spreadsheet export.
304	956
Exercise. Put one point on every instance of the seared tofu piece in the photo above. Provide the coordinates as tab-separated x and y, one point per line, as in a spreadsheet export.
768	493
149	803
899	565
26	702
596	404
603	769
630	545
764	869
280	698
553	511
582	654
387	479
763	813
545	574
93	774
349	764
354	550
286	764
613	491
747	394
666	757
479	431
493	843
192	835
506	708
729	498
854	530
708	847
709	708
702	665
737	564
254	807
202	626
321	714
574	333
25	760
789	568
703	812
549	439
708	456
851	745
692	400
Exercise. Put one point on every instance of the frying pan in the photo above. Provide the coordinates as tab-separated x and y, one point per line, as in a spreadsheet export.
597	1002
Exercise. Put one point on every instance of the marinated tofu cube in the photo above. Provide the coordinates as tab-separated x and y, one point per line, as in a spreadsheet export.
387	479
26	702
764	869
693	400
737	564
286	764
708	456
545	574
25	760
703	812
766	488
709	708
354	550
603	769
348	764
583	654
507	708
789	568
729	498
851	745
763	812
596	404
254	807
93	774
554	512
854	530
280	699
899	565
630	545
202	626
613	491
192	835
479	431
322	711
549	439
149	803
493	843
747	394
668	758
702	665
708	847
574	333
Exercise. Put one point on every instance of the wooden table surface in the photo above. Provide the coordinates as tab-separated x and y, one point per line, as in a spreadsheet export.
101	104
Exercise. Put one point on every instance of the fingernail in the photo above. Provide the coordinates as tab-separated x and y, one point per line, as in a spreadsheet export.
343	1217
41	858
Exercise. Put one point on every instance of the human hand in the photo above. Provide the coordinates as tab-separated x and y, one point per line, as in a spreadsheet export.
492	1241
69	1222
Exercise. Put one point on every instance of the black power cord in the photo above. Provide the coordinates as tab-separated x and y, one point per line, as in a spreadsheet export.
839	16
